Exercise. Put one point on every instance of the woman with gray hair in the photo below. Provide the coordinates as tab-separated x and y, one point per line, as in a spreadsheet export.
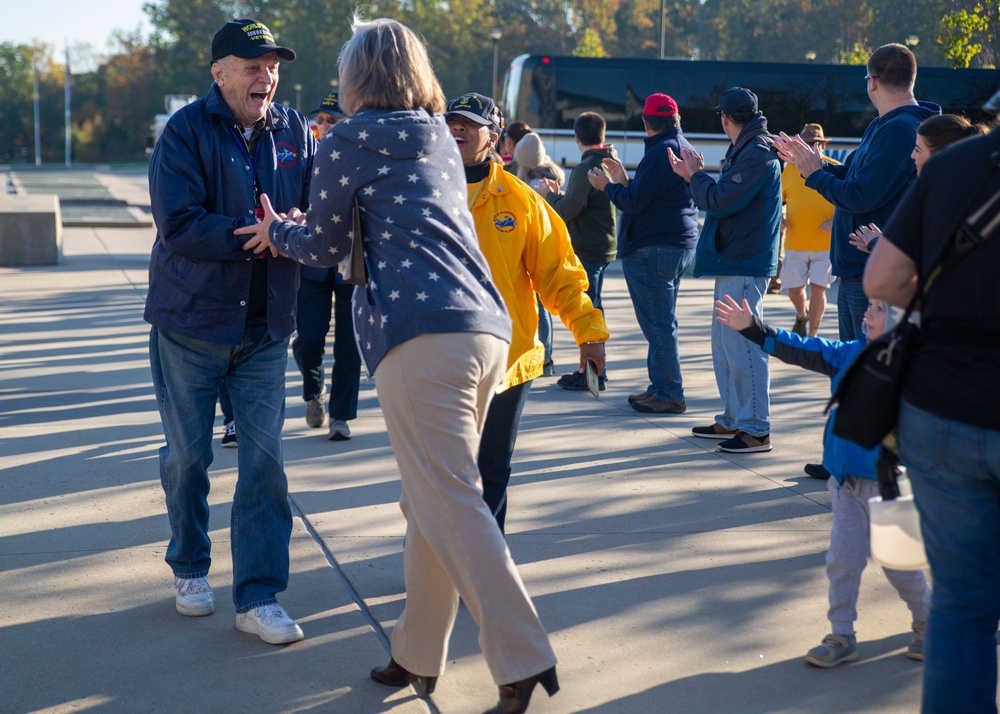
434	330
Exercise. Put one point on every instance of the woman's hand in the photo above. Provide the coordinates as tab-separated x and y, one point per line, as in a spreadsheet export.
260	239
731	313
862	238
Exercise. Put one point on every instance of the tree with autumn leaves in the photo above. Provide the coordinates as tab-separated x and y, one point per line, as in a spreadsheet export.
116	98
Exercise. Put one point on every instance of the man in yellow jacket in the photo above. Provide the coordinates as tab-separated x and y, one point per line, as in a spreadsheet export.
527	247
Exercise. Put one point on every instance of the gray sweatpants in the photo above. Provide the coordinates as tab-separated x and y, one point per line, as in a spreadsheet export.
848	556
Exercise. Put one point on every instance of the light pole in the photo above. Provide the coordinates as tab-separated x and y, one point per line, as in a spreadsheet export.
298	97
495	34
810	56
663	28
911	41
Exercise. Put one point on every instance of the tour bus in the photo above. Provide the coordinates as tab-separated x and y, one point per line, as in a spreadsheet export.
549	92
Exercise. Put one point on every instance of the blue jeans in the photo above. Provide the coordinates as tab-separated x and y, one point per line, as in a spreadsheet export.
851	305
741	369
955	472
312	323
187	374
497	447
225	404
544	329
595	280
653	275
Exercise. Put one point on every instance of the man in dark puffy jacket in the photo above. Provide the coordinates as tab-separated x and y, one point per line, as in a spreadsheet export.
657	231
739	246
221	318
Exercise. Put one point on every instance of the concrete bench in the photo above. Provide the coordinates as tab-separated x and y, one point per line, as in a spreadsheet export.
30	230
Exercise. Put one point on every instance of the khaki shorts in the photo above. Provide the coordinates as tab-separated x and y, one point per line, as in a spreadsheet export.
802	266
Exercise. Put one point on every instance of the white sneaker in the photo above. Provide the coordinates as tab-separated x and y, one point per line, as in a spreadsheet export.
316	411
271	623
194	597
339	431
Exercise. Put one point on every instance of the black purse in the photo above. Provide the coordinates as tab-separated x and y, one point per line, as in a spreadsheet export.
868	394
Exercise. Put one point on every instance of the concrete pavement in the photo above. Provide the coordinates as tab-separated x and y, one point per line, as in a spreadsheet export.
671	578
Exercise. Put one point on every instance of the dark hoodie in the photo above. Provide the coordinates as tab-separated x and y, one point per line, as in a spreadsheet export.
588	213
866	188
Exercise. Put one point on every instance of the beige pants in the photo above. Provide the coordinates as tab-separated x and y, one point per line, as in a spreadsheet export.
434	391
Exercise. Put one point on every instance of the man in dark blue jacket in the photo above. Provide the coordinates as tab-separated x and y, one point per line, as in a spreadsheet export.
657	231
867	187
739	246
221	318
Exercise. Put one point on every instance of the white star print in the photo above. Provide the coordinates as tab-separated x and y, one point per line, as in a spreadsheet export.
399	199
363	135
412	178
369	190
313	257
335	218
451	161
394	295
426	212
322	195
381	264
484	279
371	319
344	180
436	193
316	171
413	244
406	263
384	152
386	235
384	320
445	176
433	276
421	296
335	155
403	135
417	232
383	171
319	230
333	250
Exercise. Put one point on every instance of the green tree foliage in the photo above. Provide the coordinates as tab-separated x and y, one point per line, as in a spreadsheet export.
590	45
970	35
16	125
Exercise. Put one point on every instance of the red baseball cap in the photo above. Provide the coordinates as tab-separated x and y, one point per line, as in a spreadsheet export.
660	105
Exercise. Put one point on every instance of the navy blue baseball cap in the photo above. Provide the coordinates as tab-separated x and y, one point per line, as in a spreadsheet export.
246	39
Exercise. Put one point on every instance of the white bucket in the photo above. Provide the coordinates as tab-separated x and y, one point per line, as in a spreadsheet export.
895	534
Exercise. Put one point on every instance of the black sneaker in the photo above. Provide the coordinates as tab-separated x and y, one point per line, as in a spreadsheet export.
577	382
816	471
744	443
713	432
229	436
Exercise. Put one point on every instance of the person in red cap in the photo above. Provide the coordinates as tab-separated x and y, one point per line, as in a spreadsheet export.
657	232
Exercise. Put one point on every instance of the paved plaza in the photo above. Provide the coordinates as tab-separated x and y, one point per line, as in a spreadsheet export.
672	578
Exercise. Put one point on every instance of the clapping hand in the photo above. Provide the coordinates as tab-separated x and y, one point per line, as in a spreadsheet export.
731	313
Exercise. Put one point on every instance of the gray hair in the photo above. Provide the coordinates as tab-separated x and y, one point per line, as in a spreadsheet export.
385	66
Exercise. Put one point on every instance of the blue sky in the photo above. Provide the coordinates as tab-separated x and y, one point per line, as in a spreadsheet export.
58	22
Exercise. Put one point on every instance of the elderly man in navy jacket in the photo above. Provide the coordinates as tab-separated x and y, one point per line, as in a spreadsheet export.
739	246
221	318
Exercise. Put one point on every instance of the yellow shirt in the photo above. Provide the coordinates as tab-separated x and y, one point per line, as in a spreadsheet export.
527	247
805	209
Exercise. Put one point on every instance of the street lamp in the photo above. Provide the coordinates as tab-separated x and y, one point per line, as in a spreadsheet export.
810	56
495	34
298	97
911	41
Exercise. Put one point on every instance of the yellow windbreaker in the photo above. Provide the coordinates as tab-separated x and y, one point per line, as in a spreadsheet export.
528	250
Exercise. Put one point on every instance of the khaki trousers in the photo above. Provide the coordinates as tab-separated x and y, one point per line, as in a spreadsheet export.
434	391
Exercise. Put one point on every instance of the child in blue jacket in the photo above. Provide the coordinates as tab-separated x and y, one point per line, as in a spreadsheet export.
852	483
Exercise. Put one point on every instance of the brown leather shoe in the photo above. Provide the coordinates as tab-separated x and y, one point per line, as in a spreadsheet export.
393	675
655	405
514	697
633	398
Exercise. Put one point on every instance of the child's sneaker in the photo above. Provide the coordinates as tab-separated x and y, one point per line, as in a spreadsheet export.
915	650
834	650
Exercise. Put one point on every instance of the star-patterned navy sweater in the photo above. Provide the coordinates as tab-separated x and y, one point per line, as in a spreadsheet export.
426	272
